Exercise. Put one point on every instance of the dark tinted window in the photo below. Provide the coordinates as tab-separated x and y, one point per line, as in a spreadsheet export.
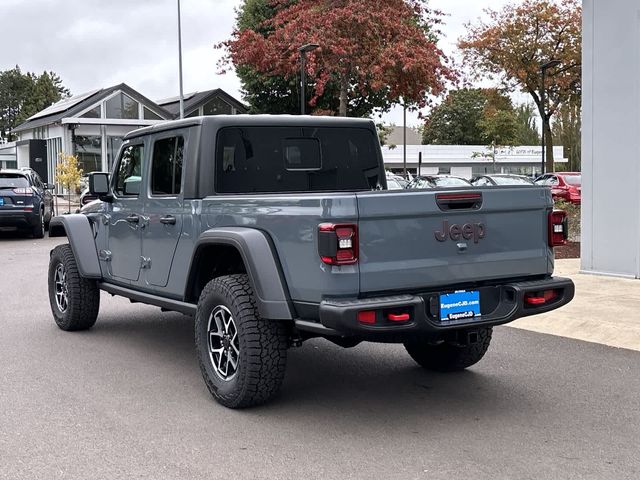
295	159
129	172
166	166
11	180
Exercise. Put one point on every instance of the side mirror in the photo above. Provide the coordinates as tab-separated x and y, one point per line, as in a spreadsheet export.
49	186
99	183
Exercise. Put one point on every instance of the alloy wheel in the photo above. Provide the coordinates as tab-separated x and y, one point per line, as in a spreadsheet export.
62	292
223	342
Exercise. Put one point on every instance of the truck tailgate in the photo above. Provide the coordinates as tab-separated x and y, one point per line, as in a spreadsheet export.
411	240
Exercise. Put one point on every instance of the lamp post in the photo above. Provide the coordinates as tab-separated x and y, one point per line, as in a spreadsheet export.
303	76
543	99
180	61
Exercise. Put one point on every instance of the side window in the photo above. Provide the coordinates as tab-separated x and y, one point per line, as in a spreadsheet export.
166	166
129	172
552	181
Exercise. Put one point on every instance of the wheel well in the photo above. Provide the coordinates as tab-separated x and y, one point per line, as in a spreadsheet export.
209	262
57	230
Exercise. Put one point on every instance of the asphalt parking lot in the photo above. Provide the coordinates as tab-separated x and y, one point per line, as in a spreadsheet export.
126	400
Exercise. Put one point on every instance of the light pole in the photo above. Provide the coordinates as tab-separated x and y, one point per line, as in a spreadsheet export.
543	99
404	139
180	61
303	75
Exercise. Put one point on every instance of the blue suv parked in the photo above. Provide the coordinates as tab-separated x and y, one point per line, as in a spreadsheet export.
26	202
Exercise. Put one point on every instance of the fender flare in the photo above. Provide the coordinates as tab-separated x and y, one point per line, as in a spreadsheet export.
262	265
77	228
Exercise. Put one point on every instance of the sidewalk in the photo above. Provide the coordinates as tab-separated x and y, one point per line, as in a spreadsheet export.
605	310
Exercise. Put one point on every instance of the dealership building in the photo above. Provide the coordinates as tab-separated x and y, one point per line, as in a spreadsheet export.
92	126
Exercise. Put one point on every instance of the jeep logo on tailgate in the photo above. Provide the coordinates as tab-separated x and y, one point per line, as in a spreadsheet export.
468	231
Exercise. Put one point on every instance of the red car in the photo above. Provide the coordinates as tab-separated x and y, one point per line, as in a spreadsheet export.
564	185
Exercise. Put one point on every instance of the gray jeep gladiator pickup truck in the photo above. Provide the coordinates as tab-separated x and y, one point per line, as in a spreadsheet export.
271	230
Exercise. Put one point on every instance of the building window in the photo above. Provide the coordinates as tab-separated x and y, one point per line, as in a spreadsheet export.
166	166
149	115
88	149
113	146
122	106
93	113
217	106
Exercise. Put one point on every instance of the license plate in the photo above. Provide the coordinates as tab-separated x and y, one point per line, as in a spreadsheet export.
460	305
1	201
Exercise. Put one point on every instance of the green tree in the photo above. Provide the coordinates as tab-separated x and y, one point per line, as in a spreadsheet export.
24	94
459	119
528	133
567	128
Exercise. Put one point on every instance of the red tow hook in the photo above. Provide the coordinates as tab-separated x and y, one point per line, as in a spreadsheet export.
398	317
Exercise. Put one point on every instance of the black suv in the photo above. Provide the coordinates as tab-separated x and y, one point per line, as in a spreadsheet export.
25	201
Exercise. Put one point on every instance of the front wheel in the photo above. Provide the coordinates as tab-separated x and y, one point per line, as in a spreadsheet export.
242	356
74	300
449	356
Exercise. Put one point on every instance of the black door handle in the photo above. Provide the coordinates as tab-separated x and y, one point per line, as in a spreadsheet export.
133	219
168	220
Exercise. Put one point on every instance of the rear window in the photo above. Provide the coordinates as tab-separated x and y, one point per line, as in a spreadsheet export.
450	182
13	180
296	159
575	180
512	181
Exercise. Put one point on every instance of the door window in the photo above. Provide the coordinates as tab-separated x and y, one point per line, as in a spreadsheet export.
128	175
166	166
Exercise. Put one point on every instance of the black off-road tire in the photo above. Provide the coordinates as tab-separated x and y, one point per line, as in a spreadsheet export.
262	343
38	230
449	357
82	294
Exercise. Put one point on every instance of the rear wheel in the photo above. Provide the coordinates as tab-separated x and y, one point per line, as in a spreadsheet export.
242	356
38	229
449	356
74	300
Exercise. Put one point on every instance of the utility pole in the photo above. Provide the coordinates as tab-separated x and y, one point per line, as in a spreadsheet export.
180	61
303	74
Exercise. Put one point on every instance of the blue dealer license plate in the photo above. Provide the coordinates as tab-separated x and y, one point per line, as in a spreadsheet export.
460	305
1	201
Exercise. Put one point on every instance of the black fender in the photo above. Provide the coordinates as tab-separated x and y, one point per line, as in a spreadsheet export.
262	265
77	228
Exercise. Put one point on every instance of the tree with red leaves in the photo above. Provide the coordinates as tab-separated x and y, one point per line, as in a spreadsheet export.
381	48
521	37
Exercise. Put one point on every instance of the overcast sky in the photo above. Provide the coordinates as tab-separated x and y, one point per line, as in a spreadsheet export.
96	43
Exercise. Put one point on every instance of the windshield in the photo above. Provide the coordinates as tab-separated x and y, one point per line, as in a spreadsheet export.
575	180
13	180
450	182
512	181
296	159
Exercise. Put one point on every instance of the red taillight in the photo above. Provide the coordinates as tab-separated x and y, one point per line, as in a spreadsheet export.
558	228
367	316
26	191
338	244
540	298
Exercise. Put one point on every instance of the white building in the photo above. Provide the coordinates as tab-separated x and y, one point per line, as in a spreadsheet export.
92	126
468	160
610	137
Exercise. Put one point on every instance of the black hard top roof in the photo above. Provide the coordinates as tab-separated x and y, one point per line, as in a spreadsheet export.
219	121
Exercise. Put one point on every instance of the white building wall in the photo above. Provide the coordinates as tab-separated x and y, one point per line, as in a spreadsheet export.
611	137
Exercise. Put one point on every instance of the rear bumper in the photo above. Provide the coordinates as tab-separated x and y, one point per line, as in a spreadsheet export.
18	218
499	304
